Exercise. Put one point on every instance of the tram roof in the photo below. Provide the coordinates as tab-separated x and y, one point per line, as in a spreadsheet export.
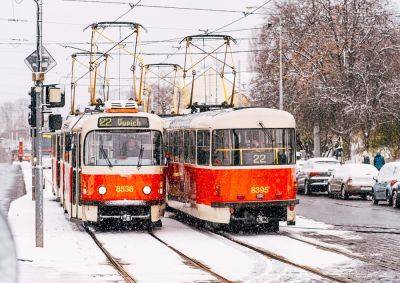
239	118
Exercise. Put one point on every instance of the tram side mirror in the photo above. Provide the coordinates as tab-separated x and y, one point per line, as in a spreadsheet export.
55	122
68	142
55	97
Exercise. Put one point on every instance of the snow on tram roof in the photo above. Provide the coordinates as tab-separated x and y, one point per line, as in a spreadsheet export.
235	118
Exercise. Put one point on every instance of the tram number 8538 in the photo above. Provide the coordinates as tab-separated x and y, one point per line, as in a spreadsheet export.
124	189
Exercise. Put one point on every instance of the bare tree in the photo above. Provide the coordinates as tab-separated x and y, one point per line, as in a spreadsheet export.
341	60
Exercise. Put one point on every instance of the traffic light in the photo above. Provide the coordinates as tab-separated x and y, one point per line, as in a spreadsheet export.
32	114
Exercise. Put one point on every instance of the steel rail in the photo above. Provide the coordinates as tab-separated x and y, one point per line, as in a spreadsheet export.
125	275
193	261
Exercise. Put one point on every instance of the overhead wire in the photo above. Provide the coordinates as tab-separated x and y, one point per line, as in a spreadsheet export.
241	18
161	6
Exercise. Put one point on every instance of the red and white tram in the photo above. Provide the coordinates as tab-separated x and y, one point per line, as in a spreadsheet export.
233	166
110	165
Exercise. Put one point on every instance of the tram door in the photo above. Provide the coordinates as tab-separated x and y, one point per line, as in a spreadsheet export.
76	168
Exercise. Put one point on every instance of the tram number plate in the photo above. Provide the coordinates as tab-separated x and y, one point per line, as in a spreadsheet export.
259	190
124	189
123	122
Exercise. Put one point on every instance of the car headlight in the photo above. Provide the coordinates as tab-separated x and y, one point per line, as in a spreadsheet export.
102	190
146	190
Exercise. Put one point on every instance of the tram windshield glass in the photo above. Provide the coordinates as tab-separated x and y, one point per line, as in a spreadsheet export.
245	147
123	148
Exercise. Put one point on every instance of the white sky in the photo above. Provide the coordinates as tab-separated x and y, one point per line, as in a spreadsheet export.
64	22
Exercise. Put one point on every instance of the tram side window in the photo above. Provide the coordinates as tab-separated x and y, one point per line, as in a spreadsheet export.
186	148
157	152
181	147
241	147
203	147
192	147
176	146
223	153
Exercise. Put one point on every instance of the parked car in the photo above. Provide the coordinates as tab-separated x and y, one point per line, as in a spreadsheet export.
396	195
315	174
352	179
299	165
387	179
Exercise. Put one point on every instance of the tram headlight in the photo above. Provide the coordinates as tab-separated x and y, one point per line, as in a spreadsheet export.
146	190
102	190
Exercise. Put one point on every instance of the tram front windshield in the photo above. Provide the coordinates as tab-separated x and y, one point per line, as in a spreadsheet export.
246	147
123	148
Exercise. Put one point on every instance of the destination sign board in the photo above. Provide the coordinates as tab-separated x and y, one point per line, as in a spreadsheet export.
123	122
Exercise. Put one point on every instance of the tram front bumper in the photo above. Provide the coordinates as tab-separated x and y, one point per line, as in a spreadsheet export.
261	212
132	211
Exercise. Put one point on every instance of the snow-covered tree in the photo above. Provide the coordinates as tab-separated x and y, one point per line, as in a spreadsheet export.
340	63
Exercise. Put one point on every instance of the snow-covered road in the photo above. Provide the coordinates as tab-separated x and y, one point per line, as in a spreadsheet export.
70	254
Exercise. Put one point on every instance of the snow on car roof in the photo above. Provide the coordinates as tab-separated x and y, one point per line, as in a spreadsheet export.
323	159
360	168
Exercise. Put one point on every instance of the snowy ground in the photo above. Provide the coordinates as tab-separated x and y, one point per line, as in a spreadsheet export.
70	254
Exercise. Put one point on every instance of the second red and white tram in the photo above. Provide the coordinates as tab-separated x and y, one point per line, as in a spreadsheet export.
110	165
233	166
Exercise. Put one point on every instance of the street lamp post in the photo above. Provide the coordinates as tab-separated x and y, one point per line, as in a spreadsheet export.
37	177
280	65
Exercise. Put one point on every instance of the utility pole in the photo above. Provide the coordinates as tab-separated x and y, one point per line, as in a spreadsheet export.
280	65
37	177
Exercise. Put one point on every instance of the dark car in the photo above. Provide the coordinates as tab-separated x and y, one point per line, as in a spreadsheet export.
315	174
387	180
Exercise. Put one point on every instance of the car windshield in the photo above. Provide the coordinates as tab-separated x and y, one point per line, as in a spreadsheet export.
116	148
239	147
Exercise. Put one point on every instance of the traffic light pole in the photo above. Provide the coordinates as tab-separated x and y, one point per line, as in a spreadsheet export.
37	177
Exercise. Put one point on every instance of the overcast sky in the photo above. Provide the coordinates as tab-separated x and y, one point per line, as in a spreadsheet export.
64	23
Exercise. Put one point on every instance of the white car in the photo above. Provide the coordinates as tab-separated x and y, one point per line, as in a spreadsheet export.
315	174
353	179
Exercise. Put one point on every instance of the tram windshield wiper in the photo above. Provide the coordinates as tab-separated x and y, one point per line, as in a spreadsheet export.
103	152
139	163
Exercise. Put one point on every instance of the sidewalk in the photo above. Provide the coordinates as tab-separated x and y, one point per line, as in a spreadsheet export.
69	254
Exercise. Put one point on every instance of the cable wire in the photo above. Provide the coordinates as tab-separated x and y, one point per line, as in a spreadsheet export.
241	18
161	6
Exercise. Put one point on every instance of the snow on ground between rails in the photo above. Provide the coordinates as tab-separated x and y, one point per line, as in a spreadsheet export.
300	253
69	254
229	259
148	260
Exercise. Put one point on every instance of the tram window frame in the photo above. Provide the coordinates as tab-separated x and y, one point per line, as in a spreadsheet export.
175	138
152	132
288	146
201	144
73	151
181	147
186	148
192	147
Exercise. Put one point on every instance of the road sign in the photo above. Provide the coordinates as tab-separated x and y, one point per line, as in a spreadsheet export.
48	61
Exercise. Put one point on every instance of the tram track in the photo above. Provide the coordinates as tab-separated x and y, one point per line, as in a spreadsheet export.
113	261
282	259
341	252
193	261
274	256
